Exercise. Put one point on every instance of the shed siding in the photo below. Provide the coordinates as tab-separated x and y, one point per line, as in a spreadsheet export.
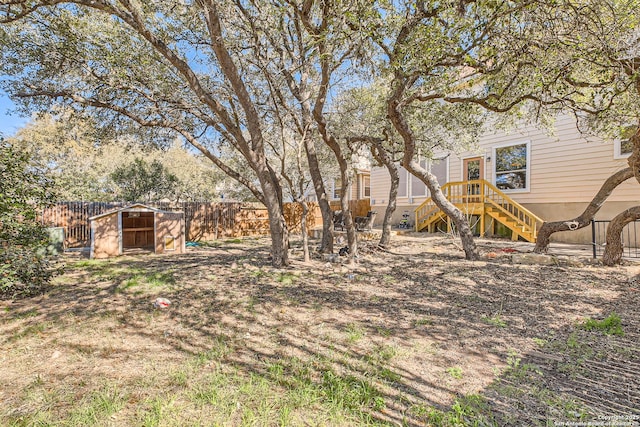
106	241
107	231
170	225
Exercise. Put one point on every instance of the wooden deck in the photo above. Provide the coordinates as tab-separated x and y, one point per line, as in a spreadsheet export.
485	201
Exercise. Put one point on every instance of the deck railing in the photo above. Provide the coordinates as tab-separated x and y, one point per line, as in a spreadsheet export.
468	195
511	208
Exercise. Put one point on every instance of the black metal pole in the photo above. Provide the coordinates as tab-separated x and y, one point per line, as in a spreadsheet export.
593	239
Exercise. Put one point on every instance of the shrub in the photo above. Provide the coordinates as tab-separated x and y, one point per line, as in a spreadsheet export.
24	266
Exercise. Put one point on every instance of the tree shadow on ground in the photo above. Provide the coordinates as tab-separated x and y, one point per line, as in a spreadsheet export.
422	330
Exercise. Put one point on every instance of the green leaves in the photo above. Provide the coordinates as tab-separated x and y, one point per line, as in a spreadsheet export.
142	181
24	270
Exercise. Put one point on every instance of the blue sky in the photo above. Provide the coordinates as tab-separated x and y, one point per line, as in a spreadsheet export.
9	124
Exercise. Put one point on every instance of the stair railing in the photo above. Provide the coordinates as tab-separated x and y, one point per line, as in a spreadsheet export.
474	192
512	209
458	193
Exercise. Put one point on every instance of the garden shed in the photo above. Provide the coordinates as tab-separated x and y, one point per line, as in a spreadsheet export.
137	228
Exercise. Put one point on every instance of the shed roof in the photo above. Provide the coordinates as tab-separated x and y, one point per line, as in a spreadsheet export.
138	207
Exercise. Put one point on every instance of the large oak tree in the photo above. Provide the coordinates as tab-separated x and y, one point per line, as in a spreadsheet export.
218	74
171	65
529	58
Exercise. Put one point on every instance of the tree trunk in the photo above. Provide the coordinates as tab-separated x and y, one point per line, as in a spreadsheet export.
326	245
334	145
279	234
385	238
382	156
253	150
613	249
277	223
347	215
456	215
394	112
305	231
548	228
304	96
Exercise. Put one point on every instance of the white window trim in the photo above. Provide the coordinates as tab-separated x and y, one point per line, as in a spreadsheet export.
410	179
409	182
617	150
494	162
407	188
446	178
333	190
361	178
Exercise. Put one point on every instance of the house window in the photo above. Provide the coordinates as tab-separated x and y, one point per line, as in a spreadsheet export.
418	189
623	147
438	167
402	184
626	147
337	188
512	167
366	186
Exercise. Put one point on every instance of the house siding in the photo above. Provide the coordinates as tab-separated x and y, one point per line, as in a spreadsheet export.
380	184
564	167
565	171
356	186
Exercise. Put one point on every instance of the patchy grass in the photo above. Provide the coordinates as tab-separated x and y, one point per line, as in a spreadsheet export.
233	241
354	332
496	321
422	322
286	278
97	407
407	343
143	282
471	410
455	372
611	325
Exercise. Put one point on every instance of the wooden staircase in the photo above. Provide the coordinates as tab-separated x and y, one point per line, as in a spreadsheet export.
482	199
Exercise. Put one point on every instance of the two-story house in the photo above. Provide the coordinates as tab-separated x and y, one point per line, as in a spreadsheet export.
525	175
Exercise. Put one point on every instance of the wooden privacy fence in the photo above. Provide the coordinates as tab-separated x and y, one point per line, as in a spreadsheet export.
203	221
358	207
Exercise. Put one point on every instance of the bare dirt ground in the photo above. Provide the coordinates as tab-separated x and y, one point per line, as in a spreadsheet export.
429	333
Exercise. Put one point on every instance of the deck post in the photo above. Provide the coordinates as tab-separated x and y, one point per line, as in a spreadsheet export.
483	211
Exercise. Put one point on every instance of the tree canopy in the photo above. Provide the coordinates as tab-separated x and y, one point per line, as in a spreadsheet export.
81	157
197	69
240	77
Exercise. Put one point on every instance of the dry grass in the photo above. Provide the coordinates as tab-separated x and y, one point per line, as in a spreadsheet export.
410	337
